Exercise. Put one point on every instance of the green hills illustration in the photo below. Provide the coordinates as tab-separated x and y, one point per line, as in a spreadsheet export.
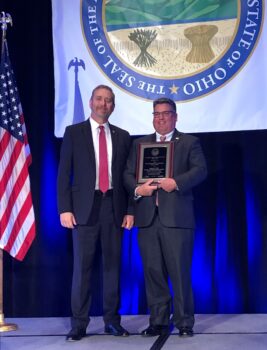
123	13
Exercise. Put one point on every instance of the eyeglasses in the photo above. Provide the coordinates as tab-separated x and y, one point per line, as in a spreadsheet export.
164	114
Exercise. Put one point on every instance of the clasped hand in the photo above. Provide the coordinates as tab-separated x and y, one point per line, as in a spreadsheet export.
147	188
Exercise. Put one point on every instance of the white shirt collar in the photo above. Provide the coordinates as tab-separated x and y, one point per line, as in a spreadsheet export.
168	136
95	125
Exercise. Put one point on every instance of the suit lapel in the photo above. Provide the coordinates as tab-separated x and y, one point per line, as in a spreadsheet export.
88	139
114	140
176	136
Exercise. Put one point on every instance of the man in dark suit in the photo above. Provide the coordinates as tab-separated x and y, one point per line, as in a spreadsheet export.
165	217
94	204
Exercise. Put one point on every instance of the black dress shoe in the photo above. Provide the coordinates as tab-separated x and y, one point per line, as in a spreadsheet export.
116	329
152	331
186	332
76	334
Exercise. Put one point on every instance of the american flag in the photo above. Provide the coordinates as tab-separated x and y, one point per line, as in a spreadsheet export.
17	222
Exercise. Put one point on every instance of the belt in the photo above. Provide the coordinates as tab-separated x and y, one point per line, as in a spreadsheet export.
99	193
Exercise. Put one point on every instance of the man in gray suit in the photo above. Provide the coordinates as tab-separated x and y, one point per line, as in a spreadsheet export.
94	204
164	214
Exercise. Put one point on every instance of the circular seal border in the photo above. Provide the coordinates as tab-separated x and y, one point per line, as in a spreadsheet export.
185	88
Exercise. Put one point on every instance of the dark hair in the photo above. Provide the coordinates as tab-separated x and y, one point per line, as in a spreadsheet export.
104	87
162	100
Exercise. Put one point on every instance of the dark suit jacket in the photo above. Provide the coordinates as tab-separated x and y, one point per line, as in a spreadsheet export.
175	209
77	172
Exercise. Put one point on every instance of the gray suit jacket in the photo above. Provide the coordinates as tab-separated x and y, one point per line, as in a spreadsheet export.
175	209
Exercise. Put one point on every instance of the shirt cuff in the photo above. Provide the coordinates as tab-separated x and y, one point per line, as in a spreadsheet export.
136	196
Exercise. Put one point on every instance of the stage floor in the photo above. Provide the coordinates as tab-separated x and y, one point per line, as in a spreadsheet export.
212	332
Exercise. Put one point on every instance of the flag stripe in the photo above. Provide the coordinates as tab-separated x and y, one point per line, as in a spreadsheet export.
18	222
7	176
18	235
4	142
27	242
17	194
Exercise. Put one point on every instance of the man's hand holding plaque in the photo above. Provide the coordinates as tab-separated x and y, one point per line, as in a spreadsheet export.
167	184
146	189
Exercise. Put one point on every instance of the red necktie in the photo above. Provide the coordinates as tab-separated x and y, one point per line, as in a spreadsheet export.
162	138
103	161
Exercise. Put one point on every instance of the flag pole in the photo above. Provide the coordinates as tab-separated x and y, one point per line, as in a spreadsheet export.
4	327
5	19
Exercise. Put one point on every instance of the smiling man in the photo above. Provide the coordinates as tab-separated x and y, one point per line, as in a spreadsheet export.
94	204
165	216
